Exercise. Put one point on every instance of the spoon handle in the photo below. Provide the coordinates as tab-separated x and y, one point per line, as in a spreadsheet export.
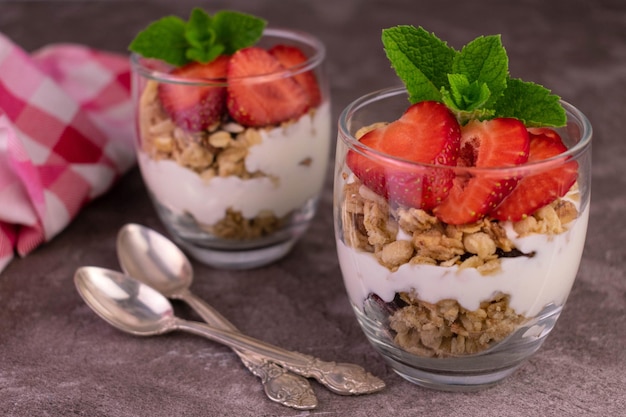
340	378
280	385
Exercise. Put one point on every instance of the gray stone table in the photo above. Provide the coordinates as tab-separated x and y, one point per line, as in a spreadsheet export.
58	359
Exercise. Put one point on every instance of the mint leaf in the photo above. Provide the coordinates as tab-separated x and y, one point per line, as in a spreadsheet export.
466	95
531	103
466	99
237	30
163	39
484	60
453	97
198	29
204	54
202	38
421	60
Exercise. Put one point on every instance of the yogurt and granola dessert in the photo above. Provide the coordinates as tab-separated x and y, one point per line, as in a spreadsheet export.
463	220
234	130
236	182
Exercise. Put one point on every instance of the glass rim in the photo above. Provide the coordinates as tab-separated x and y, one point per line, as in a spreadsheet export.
354	144
160	71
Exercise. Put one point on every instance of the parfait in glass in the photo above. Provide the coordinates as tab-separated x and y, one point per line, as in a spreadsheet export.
233	133
461	204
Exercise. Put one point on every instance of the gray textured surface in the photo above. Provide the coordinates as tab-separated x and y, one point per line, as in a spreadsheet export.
57	358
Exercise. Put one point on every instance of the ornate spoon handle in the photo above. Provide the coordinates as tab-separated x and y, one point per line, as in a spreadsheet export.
340	378
279	385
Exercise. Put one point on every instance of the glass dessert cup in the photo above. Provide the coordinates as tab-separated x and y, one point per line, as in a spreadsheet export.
455	308
234	196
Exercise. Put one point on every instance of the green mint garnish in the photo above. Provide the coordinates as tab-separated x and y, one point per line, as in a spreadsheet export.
237	30
473	82
202	44
537	105
201	39
420	59
164	39
467	100
484	61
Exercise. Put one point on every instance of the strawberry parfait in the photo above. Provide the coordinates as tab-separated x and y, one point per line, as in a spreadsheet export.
461	207
232	119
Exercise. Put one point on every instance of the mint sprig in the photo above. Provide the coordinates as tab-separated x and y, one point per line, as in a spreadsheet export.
473	82
201	39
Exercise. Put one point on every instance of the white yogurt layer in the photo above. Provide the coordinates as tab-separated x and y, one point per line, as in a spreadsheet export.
532	283
279	155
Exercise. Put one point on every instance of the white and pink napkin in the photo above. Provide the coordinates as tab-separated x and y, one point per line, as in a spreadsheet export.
66	132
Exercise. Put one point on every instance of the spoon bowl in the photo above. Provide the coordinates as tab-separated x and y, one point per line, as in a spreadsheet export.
142	252
124	303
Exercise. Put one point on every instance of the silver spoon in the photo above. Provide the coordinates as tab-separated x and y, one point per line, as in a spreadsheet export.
136	308
150	257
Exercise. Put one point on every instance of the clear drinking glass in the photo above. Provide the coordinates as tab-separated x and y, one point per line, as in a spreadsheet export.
438	324
234	196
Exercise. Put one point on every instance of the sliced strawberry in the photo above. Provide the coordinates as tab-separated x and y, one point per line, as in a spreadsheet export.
499	142
196	107
292	56
536	191
256	102
428	133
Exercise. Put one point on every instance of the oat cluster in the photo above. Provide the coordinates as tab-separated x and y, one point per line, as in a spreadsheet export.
220	151
235	226
447	329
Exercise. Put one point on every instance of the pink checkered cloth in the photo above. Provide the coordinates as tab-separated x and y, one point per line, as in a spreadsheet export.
65	138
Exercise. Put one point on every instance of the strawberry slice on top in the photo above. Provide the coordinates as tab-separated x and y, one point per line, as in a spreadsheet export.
257	102
292	56
427	133
196	107
536	191
499	142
